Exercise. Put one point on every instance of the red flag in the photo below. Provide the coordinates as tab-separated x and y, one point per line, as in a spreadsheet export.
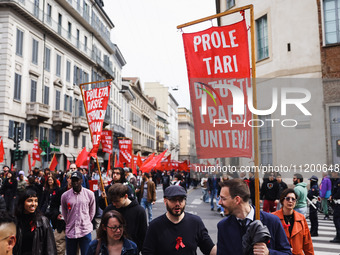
148	159
33	164
54	163
147	166
168	163
183	166
2	151
68	163
36	150
139	161
107	141
116	161
29	162
82	157
109	163
96	101
218	65
125	151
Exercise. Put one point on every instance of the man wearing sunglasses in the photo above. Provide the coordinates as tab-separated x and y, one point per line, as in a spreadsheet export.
176	231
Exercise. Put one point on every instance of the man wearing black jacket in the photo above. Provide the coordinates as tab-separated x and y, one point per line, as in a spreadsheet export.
270	193
133	213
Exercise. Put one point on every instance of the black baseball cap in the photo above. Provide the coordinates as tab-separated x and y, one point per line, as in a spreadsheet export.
175	191
77	175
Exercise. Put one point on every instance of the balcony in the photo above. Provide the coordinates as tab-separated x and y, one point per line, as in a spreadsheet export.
79	124
147	149
37	112
61	119
136	146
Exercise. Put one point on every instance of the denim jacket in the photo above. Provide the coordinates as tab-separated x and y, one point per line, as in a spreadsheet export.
129	248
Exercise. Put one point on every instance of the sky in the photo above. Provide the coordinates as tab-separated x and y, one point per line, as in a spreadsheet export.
146	34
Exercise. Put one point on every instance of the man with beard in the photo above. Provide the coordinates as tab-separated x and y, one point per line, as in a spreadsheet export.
78	208
176	231
301	193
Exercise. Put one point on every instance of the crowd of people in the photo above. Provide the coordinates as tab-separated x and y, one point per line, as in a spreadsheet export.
48	212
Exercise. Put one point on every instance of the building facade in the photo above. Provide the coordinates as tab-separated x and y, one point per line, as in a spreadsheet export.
48	49
187	149
143	119
166	103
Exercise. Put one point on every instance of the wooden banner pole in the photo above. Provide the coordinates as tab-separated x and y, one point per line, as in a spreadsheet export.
82	95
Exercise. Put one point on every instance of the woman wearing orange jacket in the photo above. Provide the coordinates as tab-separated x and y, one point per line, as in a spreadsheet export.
294	224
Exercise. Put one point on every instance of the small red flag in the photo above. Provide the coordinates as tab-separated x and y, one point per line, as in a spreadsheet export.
139	161
109	163
2	151
82	157
68	163
36	150
147	166
116	161
54	163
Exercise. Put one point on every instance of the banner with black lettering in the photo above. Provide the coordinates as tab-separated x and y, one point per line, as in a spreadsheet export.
96	101
218	67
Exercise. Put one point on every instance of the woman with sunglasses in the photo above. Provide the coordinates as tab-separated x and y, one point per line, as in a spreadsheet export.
294	224
34	232
111	237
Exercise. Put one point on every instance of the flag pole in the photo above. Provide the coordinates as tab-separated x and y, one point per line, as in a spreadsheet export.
82	95
253	72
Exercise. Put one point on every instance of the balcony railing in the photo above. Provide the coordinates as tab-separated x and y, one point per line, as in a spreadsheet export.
61	118
37	112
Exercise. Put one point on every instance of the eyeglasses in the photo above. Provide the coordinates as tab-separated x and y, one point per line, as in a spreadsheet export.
115	228
290	199
174	200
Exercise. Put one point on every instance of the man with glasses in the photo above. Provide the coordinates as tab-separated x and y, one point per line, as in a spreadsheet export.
235	196
301	192
176	231
7	233
133	213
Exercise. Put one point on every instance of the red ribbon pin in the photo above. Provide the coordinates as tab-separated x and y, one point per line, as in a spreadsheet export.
179	243
69	206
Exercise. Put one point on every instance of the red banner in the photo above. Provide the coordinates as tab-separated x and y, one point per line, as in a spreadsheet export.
96	102
125	151
36	150
107	141
219	71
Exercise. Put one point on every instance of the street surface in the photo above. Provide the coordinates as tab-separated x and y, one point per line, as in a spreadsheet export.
196	206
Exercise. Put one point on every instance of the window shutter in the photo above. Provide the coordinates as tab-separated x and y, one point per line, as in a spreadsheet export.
11	129
71	104
28	132
22	125
41	134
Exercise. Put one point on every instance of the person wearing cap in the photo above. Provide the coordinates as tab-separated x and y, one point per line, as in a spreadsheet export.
312	195
176	231
78	208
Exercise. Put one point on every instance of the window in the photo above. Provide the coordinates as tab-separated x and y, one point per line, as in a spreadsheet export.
58	65
68	71
56	137
47	59
86	11
67	139
334	118
230	4
75	141
78	36
11	129
68	103
35	45
262	38
266	141
36	8
60	24
49	13
31	132
81	109
33	91
43	134
57	100
17	87
85	43
69	34
46	95
332	21
20	37
83	141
